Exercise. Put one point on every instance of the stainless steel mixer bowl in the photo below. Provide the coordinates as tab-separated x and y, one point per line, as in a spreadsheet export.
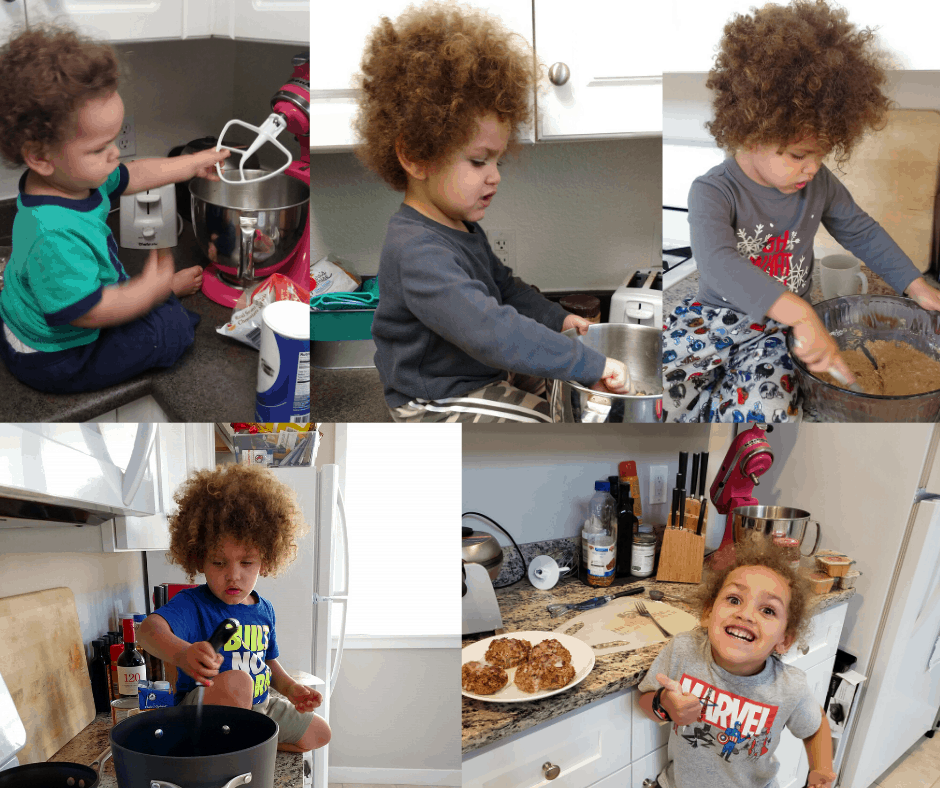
281	204
639	347
853	320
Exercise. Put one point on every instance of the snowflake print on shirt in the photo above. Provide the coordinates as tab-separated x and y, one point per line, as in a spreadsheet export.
774	255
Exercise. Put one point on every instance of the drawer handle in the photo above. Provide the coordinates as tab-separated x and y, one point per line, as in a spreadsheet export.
649	782
550	770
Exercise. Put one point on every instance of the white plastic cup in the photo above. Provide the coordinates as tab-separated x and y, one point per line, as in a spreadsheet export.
283	391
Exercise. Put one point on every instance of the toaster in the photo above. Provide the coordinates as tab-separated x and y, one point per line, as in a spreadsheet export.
639	299
149	219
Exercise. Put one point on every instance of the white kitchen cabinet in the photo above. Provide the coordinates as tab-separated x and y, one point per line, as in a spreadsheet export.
282	21
609	54
695	31
115	20
646	769
342	30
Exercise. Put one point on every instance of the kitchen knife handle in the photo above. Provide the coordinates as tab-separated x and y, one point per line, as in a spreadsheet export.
631	592
223	633
675	507
683	463
702	468
694	482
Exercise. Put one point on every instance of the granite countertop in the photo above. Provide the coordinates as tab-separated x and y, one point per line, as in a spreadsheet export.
525	608
94	739
215	379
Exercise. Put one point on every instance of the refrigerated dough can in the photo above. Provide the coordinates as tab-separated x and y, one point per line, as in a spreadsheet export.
283	392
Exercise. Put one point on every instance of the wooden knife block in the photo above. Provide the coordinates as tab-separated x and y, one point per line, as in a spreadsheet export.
683	551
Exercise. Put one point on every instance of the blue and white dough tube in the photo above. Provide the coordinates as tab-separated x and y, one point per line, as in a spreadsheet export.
284	364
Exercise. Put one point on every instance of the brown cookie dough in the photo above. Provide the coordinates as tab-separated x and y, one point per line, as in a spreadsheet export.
902	369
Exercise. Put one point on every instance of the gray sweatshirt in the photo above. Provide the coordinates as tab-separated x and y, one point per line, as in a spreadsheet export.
752	243
733	743
452	319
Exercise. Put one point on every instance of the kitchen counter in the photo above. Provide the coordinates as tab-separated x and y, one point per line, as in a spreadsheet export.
215	379
525	608
347	395
93	740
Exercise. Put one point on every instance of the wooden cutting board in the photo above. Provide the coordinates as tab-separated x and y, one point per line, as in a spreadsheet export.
893	176
42	659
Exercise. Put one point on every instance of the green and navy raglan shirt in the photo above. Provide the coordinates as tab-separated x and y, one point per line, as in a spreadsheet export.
732	745
193	615
64	255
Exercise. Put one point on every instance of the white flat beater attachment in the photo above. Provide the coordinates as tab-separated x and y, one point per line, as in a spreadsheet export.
267	132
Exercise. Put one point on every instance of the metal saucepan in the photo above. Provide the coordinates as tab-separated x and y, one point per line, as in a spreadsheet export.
770	520
54	774
249	229
159	749
639	347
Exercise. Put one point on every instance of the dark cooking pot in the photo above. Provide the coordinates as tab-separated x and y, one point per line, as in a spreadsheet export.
52	774
162	748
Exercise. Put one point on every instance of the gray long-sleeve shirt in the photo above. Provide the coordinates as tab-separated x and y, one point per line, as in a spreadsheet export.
753	243
452	319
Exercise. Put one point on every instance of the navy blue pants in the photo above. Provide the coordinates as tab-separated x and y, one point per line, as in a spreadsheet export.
156	339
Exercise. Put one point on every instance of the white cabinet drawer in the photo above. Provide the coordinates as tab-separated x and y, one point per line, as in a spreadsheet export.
648	735
823	640
587	744
646	770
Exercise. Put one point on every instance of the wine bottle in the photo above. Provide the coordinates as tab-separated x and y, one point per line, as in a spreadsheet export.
130	663
99	677
626	527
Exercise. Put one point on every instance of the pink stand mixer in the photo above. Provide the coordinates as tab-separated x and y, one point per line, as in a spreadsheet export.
256	223
748	458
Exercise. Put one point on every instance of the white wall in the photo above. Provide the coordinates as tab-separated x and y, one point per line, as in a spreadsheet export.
583	213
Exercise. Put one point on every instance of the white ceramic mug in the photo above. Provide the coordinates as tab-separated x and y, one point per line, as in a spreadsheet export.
840	275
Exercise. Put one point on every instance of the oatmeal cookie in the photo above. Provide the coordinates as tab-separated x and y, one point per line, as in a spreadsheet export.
544	673
552	648
508	652
482	679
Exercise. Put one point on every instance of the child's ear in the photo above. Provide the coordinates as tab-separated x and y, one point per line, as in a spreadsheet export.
784	646
412	168
37	159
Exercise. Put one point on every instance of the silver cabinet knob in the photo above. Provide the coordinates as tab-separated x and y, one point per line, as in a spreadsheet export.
559	73
550	770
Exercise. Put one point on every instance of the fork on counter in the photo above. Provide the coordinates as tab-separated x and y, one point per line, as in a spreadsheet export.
641	609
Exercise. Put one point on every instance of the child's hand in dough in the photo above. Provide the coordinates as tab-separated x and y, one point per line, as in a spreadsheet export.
816	348
924	295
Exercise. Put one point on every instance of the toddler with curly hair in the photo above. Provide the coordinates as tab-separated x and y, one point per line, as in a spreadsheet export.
792	85
727	682
445	91
72	319
233	524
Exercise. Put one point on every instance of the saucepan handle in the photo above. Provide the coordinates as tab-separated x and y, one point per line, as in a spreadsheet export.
242	779
100	760
818	537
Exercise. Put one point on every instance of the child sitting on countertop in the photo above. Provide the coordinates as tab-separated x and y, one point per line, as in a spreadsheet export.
724	688
234	523
71	319
457	337
791	85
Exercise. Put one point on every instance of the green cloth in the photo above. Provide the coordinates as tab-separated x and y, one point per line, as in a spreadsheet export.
366	297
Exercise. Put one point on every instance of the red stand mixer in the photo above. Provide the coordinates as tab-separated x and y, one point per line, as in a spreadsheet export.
748	458
246	224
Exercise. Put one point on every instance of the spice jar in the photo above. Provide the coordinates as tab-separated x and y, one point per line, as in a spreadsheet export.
586	306
644	555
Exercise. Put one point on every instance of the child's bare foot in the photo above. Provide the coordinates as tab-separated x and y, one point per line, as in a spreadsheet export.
187	281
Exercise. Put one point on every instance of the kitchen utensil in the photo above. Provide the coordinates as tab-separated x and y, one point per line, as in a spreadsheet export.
590	604
770	520
639	347
222	634
681	556
50	775
183	206
267	132
544	572
658	596
853	321
641	609
45	670
158	749
834	371
242	255
479	547
868	355
480	610
582	660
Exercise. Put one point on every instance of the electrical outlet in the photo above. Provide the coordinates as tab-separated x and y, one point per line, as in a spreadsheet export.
658	483
503	244
126	142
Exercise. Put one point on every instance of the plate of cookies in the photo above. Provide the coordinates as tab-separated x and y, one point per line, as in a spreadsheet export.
524	666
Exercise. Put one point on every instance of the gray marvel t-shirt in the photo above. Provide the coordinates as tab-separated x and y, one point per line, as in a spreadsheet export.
733	744
753	243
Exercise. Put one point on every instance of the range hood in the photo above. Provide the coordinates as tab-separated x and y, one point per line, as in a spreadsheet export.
16	513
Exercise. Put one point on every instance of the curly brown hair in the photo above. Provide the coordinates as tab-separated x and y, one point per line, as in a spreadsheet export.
46	73
758	550
783	73
244	502
429	77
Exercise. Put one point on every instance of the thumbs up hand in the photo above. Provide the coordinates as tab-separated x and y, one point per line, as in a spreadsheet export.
683	707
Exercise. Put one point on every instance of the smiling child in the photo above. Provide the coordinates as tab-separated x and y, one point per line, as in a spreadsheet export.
71	319
458	338
724	687
791	85
234	524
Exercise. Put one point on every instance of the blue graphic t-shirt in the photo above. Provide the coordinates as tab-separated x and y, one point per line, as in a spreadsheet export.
194	613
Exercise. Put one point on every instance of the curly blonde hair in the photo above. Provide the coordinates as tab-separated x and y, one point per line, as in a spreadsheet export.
46	73
783	73
758	550
429	77
244	502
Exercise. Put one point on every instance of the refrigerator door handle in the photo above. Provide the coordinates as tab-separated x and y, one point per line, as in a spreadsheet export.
341	506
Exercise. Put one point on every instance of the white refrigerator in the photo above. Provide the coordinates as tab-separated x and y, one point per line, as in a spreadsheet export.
875	489
305	597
